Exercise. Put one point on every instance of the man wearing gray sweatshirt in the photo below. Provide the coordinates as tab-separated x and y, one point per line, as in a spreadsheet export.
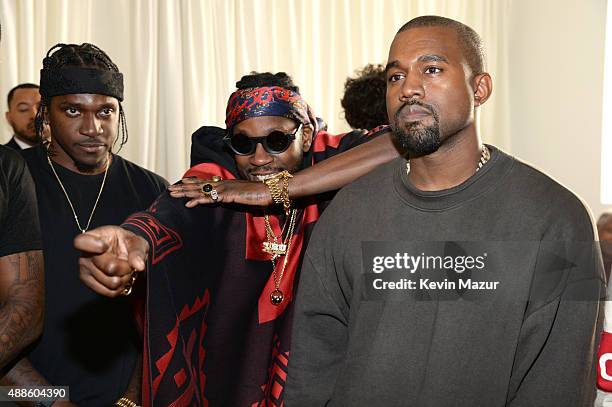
458	277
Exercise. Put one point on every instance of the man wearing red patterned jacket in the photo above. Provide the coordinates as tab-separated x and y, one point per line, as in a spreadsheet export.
221	278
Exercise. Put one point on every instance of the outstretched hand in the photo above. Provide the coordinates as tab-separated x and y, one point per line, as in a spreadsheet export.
110	255
226	191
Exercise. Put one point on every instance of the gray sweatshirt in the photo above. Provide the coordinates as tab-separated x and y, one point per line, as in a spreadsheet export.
363	335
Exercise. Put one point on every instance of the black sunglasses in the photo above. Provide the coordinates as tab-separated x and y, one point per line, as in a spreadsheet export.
274	143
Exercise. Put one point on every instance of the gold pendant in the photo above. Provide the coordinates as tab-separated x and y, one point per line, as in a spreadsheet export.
276	297
275	249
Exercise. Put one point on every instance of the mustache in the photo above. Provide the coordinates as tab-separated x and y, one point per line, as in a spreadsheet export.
414	102
91	142
262	169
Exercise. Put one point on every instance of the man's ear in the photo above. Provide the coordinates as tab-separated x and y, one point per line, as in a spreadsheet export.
483	87
307	133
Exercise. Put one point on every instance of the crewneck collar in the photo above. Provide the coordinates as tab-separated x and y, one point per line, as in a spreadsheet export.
487	178
41	151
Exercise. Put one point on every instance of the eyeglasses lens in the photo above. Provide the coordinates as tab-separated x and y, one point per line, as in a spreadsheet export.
242	144
277	142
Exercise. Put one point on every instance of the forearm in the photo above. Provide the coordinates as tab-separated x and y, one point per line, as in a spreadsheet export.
344	168
23	374
22	295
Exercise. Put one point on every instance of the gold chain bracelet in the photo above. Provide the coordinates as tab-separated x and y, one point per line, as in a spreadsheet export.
280	190
125	402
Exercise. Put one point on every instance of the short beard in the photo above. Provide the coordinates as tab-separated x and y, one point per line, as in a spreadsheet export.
30	139
417	139
86	168
81	166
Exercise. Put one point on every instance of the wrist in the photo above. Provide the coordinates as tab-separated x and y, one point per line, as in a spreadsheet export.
125	402
278	188
267	195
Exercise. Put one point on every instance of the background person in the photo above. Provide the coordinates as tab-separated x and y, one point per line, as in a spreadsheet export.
23	103
364	98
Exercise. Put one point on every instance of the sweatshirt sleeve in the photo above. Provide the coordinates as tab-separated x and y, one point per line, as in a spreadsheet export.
319	336
555	359
559	340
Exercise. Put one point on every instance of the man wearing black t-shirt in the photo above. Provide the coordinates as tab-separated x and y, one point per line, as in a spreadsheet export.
21	260
89	343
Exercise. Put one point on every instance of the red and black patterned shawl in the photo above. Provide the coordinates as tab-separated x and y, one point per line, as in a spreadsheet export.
212	337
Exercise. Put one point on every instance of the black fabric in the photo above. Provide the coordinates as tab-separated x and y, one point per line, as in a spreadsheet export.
13	144
73	80
19	227
207	146
207	293
89	342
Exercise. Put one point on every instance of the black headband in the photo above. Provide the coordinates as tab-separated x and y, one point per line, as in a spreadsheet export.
71	80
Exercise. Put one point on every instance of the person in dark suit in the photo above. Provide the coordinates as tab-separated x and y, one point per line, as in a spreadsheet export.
23	102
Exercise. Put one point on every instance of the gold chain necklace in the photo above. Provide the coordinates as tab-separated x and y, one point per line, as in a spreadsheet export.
277	296
485	155
273	245
76	218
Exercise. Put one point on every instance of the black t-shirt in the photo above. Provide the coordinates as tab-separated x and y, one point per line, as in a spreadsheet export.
89	342
19	227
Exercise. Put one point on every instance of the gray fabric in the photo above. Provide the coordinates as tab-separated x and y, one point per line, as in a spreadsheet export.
532	344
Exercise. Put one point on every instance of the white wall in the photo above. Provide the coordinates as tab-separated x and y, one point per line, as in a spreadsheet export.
556	54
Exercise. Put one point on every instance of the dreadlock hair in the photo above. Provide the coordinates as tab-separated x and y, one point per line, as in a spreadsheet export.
260	79
81	56
364	101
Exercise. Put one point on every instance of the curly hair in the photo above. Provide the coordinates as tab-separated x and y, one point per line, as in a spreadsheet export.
259	79
364	98
84	56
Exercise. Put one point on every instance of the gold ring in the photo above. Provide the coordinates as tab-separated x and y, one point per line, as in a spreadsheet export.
127	290
207	189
